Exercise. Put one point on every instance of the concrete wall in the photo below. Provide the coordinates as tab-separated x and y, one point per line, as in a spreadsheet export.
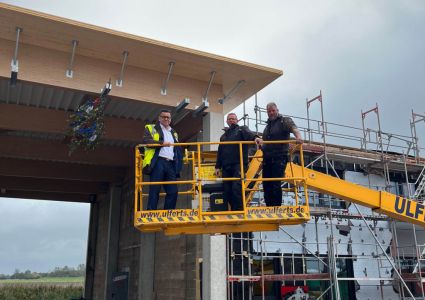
175	267
129	241
101	246
159	266
212	125
176	257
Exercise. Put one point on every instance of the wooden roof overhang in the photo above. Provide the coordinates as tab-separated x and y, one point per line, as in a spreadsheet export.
34	160
56	33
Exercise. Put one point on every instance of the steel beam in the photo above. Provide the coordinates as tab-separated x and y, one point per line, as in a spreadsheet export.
58	170
56	150
25	184
25	118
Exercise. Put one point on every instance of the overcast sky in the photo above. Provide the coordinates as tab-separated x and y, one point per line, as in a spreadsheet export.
357	52
41	235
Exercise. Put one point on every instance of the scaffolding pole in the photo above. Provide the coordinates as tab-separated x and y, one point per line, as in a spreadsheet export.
415	119
333	255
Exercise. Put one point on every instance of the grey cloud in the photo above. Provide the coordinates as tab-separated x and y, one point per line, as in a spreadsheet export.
40	235
357	52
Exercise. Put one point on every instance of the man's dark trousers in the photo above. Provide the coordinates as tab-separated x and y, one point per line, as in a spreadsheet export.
273	168
164	170
232	189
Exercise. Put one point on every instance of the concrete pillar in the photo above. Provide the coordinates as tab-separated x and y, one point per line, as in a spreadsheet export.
114	198
213	247
91	249
146	266
212	125
214	267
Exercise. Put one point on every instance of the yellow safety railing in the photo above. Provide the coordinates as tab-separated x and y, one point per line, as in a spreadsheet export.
198	220
202	172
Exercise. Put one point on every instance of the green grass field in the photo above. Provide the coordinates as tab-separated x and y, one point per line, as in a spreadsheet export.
49	288
45	280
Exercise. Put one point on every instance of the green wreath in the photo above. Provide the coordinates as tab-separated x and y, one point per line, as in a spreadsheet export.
86	124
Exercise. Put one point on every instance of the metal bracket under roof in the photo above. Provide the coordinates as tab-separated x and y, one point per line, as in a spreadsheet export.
69	72
165	83
15	64
233	90
180	106
124	61
106	89
178	112
200	109
205	96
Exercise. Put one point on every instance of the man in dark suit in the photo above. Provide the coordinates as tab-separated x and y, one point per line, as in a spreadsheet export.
162	163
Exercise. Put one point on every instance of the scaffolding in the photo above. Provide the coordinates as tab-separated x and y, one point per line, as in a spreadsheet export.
344	250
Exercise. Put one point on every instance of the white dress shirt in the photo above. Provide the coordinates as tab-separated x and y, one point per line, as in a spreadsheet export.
167	152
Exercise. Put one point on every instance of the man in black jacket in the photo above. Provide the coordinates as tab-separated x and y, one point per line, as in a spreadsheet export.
228	160
275	156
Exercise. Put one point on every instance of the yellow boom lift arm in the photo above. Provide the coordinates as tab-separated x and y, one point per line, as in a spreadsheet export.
394	206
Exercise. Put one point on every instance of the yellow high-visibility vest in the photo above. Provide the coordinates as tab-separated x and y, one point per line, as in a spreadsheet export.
150	152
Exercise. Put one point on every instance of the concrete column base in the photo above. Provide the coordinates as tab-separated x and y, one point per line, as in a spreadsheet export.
214	267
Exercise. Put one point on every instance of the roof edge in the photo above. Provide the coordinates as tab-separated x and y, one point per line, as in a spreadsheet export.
134	37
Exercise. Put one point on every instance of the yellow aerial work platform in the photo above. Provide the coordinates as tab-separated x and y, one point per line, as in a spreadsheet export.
201	219
257	218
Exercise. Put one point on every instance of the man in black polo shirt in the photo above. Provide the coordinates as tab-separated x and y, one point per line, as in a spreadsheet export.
228	160
275	156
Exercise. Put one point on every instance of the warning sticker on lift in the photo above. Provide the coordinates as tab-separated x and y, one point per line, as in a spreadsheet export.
253	213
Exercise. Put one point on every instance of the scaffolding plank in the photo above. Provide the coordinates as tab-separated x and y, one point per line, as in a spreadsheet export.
280	277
